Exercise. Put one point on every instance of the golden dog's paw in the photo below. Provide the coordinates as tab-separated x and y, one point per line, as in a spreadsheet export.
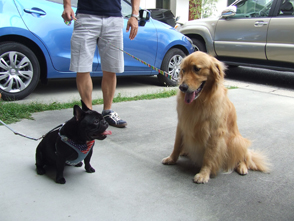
242	168
201	178
168	161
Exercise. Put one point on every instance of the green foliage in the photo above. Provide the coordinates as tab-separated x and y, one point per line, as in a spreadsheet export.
201	7
208	7
195	9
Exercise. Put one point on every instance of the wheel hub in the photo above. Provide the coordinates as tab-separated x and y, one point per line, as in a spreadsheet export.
174	66
16	72
12	71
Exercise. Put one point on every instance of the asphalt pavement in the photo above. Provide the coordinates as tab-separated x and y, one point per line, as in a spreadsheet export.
130	183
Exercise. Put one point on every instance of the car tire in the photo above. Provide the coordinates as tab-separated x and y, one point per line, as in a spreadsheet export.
199	45
171	64
19	71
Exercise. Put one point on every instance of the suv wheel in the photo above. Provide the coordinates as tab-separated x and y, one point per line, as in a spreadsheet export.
199	45
171	64
19	71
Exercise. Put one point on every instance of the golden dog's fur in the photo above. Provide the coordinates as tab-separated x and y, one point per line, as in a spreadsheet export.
207	128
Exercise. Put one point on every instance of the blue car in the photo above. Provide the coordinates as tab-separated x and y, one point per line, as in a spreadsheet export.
35	46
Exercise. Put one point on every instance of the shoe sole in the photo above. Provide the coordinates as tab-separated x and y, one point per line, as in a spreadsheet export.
119	125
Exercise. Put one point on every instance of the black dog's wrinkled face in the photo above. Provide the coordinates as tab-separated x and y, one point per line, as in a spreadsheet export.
92	124
96	126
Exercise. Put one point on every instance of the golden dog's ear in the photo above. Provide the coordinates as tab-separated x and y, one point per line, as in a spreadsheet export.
218	69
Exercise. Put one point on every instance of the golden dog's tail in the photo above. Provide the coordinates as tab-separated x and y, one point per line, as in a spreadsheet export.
256	160
242	158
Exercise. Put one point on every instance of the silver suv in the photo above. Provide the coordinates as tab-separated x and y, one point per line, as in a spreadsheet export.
258	33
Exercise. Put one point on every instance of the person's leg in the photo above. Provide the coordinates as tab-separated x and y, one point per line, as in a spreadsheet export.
108	86
83	46
112	62
85	88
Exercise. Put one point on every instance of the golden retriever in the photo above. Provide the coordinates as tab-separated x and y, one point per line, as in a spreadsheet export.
207	128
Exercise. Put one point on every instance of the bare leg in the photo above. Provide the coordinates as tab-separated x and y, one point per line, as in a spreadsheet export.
85	88
108	86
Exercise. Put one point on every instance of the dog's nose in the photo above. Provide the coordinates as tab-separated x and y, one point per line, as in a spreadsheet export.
184	87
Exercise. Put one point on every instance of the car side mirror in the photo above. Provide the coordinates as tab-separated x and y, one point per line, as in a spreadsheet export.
229	11
144	16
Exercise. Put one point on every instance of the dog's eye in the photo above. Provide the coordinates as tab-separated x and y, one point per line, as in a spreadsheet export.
96	121
183	71
196	69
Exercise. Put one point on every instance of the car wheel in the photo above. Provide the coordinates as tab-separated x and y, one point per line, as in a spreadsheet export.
199	45
171	64
19	71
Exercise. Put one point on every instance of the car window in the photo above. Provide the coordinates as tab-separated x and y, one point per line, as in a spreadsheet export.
286	8
168	14
253	8
126	8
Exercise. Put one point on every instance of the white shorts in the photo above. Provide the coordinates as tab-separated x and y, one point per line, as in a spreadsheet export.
87	30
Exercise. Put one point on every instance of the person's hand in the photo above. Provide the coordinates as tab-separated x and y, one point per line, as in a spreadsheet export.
133	24
68	14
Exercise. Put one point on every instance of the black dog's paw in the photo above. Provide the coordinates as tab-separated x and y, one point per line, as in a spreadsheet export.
79	164
61	180
40	171
90	169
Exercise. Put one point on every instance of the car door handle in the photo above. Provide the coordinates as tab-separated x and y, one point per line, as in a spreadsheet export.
35	11
260	23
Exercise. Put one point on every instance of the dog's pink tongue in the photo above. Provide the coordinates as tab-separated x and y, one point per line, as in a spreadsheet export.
107	132
189	97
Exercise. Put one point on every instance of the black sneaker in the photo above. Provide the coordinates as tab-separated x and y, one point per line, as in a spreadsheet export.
113	119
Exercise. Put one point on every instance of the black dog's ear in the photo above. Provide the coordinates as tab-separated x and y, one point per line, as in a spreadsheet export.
78	112
84	106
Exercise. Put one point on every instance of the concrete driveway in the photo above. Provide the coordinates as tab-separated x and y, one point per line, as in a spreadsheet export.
130	183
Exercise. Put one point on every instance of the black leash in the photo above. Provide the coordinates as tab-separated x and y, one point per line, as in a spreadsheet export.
35	139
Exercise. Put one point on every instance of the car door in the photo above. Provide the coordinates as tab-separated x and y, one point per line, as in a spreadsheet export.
244	35
43	19
280	40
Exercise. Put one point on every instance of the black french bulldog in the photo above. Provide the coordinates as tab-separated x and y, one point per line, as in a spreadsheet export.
72	143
